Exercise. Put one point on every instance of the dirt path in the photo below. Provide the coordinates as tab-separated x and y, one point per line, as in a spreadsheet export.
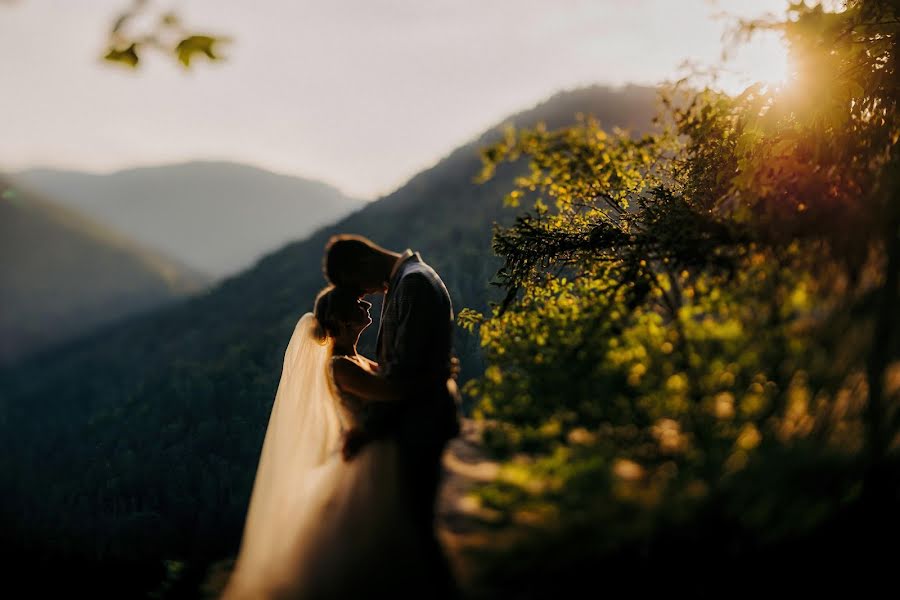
463	524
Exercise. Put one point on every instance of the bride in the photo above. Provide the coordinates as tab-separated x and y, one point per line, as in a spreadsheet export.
319	526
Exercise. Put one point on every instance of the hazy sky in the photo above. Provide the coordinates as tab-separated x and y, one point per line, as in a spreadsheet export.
361	94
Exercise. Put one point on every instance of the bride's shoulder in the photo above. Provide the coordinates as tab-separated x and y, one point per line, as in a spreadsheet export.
342	367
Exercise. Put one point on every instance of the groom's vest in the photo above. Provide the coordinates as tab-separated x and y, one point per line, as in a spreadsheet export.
414	345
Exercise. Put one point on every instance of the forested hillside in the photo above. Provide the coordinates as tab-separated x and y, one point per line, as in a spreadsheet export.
140	444
62	275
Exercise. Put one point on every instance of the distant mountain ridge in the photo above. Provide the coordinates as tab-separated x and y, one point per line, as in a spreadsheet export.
62	275
217	217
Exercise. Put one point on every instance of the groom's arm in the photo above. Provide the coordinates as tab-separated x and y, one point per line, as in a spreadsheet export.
373	366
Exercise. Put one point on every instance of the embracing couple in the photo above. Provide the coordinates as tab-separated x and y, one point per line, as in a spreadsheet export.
344	497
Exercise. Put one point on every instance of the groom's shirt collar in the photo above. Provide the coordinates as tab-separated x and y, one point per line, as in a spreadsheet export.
402	259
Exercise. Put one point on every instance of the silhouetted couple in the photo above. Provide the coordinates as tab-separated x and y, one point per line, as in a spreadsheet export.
344	497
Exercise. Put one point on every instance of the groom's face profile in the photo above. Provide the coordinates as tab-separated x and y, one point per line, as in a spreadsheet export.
366	275
354	262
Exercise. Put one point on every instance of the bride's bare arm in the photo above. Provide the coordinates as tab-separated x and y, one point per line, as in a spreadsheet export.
351	377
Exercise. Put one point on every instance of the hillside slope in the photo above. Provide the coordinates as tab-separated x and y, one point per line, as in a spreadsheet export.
216	217
62	275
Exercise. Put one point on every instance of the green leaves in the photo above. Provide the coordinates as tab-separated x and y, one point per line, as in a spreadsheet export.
469	319
166	35
127	57
197	44
707	290
185	51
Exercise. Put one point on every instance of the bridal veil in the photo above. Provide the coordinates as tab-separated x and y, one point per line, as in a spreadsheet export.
300	452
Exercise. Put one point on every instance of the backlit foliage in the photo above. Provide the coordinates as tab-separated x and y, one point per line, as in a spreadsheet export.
165	33
711	306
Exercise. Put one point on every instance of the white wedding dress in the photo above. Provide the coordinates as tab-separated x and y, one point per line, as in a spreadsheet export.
318	526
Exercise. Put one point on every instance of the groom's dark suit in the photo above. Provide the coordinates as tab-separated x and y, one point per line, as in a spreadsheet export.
414	348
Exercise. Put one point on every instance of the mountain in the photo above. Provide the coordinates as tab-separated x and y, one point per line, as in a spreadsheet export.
162	418
62	275
216	217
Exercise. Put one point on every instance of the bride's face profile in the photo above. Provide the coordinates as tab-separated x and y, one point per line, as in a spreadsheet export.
354	312
343	313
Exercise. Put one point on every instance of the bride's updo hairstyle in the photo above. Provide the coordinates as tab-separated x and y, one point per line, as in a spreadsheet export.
323	310
331	309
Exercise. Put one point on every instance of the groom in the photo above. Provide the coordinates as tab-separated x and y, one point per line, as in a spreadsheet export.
413	396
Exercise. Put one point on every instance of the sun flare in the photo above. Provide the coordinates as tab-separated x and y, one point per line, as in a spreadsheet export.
763	59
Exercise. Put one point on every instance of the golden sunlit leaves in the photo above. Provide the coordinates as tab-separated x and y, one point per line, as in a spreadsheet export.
724	405
469	319
683	307
627	470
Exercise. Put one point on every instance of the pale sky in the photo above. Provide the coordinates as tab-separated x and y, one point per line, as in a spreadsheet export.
361	94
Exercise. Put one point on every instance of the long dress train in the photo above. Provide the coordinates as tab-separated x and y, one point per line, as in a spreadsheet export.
318	526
